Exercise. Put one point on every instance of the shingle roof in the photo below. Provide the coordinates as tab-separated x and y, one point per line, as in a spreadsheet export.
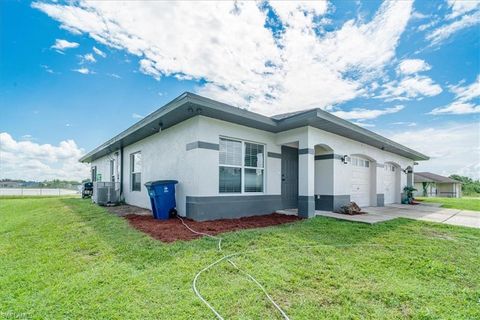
432	177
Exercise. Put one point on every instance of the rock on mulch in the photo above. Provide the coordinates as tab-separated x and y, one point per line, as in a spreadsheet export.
172	230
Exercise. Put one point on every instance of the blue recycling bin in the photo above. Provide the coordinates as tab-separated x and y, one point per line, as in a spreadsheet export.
162	197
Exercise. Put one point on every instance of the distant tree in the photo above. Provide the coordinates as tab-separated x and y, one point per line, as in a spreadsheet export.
470	187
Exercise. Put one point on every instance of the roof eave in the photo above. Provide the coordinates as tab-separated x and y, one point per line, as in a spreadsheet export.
222	111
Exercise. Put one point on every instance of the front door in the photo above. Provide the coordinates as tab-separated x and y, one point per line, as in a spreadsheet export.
289	177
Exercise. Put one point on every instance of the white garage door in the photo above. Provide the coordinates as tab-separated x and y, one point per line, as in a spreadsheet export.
360	189
390	183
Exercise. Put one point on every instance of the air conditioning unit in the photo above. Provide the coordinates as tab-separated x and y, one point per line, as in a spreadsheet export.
106	193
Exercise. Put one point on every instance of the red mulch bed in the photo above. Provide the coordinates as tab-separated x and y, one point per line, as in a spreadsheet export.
172	230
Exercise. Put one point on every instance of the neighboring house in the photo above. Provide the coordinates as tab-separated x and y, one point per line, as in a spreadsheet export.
231	162
436	186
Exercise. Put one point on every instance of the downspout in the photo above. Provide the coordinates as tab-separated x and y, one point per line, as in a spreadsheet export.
121	173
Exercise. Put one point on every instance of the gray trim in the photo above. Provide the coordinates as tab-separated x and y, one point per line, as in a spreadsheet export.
189	105
306	151
274	155
230	207
379	165
328	156
330	202
306	206
203	145
380	200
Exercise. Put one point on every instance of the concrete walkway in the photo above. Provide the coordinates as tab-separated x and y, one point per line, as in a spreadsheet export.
456	217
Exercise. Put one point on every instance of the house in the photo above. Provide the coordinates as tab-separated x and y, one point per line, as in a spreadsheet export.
433	185
231	162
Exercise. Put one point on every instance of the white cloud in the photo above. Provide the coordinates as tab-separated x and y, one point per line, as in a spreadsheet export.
453	149
410	66
148	67
137	116
403	123
410	87
114	75
83	70
457	108
467	93
27	137
463	103
444	32
47	68
460	7
62	45
428	25
99	52
89	58
360	113
299	13
32	161
245	64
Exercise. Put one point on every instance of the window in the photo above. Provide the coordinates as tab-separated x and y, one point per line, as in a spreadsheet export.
112	170
389	167
94	173
241	166
360	162
136	171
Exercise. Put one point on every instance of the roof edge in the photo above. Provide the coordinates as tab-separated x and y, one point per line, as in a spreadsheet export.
261	120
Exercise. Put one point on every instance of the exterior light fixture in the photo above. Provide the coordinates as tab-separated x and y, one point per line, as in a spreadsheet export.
345	159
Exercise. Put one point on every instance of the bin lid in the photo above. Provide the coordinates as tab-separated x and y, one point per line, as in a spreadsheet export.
159	182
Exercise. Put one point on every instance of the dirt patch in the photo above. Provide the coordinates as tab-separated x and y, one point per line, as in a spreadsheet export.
172	229
126	209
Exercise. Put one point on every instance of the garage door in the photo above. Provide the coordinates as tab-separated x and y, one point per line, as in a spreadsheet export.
390	183
360	189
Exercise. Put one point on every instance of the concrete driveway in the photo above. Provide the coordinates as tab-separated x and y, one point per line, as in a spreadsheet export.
423	212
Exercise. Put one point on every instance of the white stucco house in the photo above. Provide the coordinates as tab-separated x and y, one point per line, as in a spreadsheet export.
231	162
436	185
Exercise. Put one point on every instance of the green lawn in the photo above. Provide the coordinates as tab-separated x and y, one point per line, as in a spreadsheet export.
465	203
68	259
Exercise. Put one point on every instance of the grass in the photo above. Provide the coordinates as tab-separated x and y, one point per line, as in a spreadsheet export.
64	258
464	203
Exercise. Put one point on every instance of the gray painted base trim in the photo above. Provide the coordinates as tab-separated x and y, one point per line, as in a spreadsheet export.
230	207
306	151
202	145
330	202
380	200
274	155
306	206
328	156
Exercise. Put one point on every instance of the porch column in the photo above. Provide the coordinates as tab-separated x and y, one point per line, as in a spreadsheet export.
306	181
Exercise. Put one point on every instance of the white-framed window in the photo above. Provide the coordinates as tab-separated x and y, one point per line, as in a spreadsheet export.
94	173
358	162
112	170
389	167
241	166
136	171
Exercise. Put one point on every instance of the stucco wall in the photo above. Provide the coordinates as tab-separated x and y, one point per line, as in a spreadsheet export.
103	166
344	146
210	130
165	156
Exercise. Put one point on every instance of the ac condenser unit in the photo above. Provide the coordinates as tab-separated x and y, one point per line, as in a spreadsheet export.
105	193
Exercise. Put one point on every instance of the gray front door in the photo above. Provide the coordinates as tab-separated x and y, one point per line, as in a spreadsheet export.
289	177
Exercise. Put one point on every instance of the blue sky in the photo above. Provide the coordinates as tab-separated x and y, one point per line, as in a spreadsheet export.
74	74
